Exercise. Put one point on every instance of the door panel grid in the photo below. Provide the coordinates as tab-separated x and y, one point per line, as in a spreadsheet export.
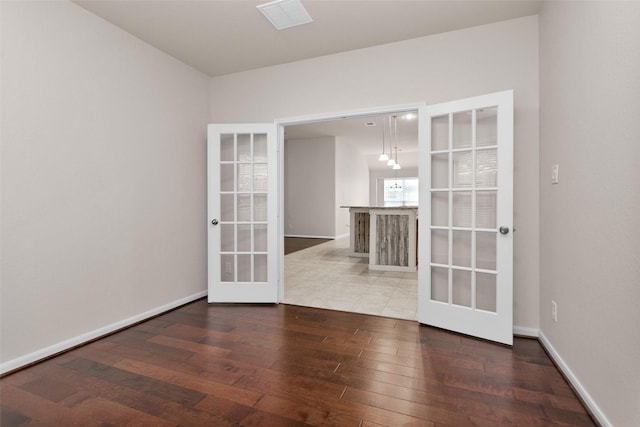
466	176
468	164
243	174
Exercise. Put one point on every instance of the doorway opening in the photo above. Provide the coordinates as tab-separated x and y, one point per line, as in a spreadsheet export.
333	161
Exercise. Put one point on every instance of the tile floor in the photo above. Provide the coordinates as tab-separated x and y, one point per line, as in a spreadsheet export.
325	276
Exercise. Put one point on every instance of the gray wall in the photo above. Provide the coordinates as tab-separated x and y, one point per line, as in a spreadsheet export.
320	175
352	183
590	258
103	177
309	187
437	68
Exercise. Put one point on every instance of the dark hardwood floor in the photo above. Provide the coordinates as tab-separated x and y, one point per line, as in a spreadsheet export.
294	244
283	365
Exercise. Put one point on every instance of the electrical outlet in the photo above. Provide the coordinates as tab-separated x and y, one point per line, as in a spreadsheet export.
554	311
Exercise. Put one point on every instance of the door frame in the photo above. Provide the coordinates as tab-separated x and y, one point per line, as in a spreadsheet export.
420	107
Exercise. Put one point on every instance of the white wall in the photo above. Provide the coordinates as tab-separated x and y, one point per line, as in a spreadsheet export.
309	187
352	183
437	68
590	259
103	177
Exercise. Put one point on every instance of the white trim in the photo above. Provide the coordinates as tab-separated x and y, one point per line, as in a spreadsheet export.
39	355
349	114
523	331
575	383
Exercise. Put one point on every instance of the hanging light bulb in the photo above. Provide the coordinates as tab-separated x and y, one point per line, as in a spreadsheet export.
383	157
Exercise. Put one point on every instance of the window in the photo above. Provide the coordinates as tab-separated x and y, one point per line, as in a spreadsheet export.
401	192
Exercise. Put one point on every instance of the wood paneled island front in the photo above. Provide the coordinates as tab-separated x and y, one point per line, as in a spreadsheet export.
387	235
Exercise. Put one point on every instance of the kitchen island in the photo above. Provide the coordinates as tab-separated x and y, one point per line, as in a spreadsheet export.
387	235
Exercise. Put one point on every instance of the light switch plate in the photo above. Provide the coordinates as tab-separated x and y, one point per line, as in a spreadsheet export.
555	178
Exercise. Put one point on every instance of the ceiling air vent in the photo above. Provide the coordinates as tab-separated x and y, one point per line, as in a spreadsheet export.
285	13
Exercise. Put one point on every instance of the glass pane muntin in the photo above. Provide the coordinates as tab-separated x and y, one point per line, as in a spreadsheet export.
243	167
470	176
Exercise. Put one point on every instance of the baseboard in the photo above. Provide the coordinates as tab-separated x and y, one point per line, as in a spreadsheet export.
342	236
307	236
39	355
522	331
573	380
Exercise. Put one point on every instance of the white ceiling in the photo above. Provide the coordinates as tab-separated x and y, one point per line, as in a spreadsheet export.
226	36
220	37
367	139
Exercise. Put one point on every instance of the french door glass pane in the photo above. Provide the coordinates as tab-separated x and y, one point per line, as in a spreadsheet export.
440	133
440	171
244	237
244	207
260	267
226	177
486	292
487	127
227	150
244	268
260	237
260	207
462	209
462	248
440	284
440	209
486	209
260	177
227	237
244	177
440	246
227	264
461	291
486	250
462	130
260	148
462	169
227	211
486	168
244	148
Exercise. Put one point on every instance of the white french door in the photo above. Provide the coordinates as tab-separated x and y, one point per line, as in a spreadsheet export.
242	207
466	249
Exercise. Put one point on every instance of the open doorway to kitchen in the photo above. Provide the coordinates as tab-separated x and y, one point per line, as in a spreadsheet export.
332	163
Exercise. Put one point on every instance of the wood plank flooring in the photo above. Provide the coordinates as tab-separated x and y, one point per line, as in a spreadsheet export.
294	244
284	365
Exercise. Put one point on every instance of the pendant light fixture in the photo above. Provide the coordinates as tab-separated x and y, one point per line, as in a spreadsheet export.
395	187
383	157
391	162
396	165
